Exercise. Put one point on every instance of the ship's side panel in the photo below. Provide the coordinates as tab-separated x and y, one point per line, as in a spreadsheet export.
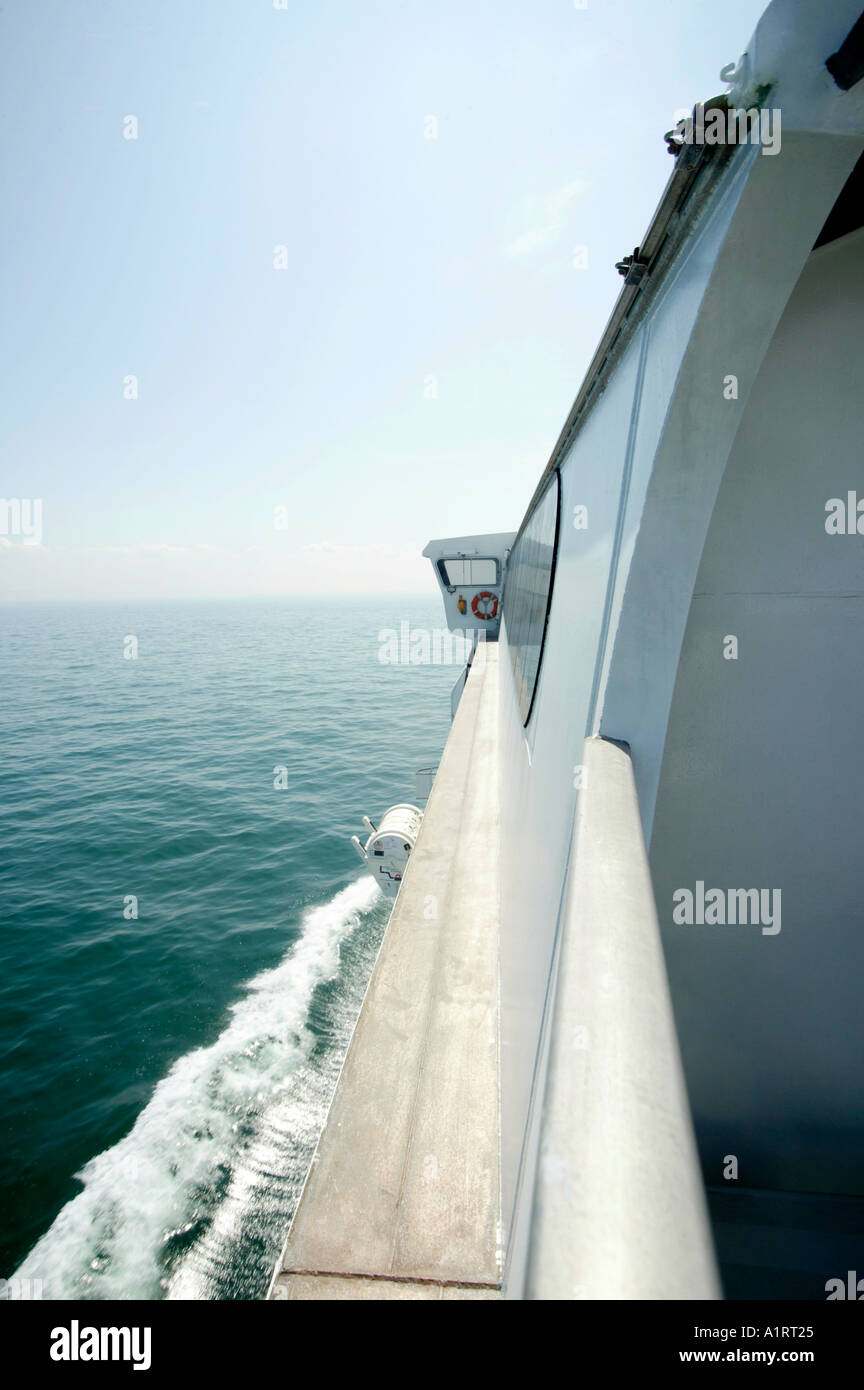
764	766
646	464
778	215
539	762
604	478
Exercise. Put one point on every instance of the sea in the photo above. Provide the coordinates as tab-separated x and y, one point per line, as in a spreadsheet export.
186	932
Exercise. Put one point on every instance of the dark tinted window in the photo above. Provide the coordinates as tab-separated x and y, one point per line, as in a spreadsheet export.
469	572
527	593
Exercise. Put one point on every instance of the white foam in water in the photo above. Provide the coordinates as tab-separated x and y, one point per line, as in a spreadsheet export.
106	1242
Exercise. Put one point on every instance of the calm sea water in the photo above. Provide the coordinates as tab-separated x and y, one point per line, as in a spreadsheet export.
165	1077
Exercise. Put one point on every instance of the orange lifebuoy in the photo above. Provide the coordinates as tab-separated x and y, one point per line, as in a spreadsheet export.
489	602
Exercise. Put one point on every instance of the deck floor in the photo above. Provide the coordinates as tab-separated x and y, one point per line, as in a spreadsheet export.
403	1196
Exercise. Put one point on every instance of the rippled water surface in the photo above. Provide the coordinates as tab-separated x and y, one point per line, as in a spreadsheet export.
165	1076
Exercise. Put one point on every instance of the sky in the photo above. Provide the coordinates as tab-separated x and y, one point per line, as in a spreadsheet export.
290	287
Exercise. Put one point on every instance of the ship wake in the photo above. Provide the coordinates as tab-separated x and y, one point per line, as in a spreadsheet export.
194	1201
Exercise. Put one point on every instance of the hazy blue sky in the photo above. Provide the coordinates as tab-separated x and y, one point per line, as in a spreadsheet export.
408	258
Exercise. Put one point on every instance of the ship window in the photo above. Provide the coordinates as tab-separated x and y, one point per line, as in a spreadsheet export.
472	572
528	592
847	214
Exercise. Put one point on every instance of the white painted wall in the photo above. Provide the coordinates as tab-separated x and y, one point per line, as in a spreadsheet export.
763	773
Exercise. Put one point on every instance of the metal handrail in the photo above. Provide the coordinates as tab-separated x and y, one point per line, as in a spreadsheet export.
619	1208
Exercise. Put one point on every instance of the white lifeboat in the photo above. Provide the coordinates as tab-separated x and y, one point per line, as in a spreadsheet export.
388	848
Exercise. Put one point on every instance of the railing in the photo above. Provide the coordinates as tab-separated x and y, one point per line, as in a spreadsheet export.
456	692
476	652
424	779
619	1208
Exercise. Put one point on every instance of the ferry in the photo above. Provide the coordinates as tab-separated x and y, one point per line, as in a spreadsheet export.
611	1047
